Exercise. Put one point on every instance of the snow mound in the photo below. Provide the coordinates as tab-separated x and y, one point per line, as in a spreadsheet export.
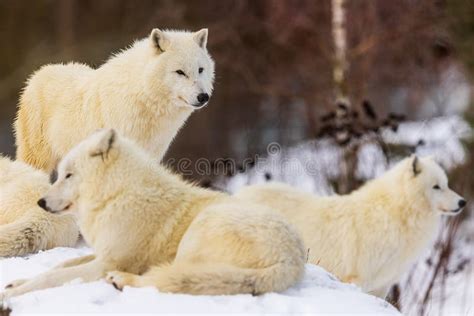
318	293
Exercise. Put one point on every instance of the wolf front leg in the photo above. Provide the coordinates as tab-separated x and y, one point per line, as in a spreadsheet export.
75	262
66	264
88	272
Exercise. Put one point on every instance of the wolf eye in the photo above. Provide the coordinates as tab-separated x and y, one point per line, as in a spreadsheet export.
437	187
180	72
68	175
201	69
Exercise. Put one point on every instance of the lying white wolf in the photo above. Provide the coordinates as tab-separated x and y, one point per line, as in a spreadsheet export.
24	226
371	236
158	230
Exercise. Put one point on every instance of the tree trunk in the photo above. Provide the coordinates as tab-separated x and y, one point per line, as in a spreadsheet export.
346	182
340	49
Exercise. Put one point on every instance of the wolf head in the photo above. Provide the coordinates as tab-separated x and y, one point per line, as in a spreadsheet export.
95	170
180	68
424	176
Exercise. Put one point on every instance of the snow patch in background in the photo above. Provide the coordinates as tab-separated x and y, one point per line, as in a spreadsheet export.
312	165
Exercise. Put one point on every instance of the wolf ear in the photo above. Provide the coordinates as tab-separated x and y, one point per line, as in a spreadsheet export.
159	40
415	165
104	144
201	37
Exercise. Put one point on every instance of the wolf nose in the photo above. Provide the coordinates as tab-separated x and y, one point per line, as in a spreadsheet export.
203	98
42	204
462	203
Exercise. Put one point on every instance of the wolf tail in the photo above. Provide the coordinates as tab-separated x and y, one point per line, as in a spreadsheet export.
31	234
219	279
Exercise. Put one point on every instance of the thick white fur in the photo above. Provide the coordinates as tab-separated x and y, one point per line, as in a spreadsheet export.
148	227
371	236
137	92
24	226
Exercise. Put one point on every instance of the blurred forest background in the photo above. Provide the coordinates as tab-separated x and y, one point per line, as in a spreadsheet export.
275	61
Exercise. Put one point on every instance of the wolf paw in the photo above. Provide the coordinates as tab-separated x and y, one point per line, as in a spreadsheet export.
117	279
15	283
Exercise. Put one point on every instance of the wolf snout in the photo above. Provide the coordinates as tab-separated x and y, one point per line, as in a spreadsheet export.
202	99
42	204
461	204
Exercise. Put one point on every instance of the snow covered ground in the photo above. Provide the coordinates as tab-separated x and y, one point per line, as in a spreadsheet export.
318	293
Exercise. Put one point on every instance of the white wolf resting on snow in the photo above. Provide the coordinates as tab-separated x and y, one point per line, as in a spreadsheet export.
371	236
146	92
24	226
158	230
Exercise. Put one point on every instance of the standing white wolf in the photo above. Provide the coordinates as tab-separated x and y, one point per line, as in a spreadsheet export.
158	230
371	236
24	226
146	92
